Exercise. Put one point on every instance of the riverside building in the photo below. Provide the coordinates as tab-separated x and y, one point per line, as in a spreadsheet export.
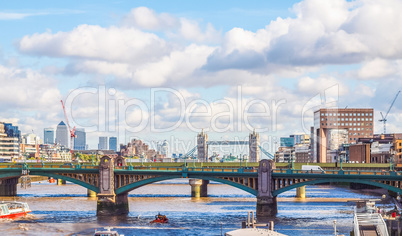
336	126
9	142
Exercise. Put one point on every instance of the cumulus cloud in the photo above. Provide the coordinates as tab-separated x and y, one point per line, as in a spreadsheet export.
377	68
323	32
175	28
27	89
148	19
95	42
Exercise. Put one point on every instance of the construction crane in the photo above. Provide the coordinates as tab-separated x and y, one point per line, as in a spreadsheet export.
72	131
384	118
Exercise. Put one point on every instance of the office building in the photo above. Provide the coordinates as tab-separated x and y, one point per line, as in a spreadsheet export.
48	136
287	141
80	140
62	134
335	126
103	143
9	144
113	143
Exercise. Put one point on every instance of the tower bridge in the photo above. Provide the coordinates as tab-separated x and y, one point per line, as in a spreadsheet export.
253	143
112	183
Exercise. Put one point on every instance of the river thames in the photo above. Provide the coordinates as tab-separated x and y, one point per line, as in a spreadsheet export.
66	210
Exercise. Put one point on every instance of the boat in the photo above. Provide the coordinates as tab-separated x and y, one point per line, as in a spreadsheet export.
160	219
107	232
12	210
367	219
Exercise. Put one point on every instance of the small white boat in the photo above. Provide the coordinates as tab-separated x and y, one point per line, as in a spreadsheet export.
12	210
107	232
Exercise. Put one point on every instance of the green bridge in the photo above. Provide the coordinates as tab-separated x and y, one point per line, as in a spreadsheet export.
112	180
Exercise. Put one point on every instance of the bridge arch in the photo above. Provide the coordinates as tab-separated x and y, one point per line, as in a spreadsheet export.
56	176
132	186
319	181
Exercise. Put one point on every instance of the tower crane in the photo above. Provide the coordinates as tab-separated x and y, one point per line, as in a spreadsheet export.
384	118
72	131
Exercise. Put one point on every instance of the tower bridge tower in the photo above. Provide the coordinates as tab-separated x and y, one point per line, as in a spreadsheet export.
202	146
254	150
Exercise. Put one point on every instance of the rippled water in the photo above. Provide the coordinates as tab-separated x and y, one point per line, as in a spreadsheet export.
65	210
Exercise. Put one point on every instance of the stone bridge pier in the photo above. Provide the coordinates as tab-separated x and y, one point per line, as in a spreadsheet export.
266	203
109	204
8	187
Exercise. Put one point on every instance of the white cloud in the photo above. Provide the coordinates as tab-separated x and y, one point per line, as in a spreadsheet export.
28	90
94	42
148	19
376	68
12	16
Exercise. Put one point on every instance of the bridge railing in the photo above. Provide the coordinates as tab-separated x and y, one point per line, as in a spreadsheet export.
338	172
40	165
189	169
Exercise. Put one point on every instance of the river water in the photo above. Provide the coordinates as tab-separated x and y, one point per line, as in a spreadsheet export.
65	210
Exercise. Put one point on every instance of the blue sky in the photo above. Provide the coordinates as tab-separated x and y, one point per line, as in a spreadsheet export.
219	65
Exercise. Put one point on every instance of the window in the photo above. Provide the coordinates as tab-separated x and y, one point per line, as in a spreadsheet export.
366	119
338	118
354	119
354	114
342	114
371	114
339	114
366	114
350	134
322	123
343	124
358	119
330	114
350	138
358	114
322	114
350	114
371	123
342	119
354	129
322	118
354	124
330	123
354	138
371	119
358	129
346	119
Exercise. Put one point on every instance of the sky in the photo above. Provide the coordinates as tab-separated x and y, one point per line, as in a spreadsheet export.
166	70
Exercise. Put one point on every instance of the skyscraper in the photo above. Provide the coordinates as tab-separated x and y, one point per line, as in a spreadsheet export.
103	145
62	134
80	140
48	136
113	143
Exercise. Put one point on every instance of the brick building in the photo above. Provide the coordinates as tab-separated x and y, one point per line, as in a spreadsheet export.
336	126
